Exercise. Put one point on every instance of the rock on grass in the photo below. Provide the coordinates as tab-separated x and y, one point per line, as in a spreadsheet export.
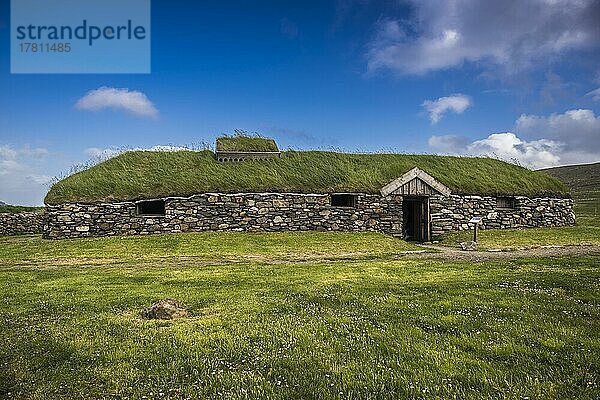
165	309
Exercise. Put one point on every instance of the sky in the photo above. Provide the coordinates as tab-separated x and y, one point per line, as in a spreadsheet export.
515	80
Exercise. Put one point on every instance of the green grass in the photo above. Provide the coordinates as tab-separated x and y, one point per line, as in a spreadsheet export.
511	239
18	209
142	174
213	246
350	329
245	143
588	203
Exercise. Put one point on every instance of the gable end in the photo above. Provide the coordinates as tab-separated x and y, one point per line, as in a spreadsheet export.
416	182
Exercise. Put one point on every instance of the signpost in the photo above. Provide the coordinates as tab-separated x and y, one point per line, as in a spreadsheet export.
476	221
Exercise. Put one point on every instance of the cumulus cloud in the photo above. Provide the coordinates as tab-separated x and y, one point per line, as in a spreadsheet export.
507	146
594	94
131	101
22	178
572	137
511	33
578	130
457	103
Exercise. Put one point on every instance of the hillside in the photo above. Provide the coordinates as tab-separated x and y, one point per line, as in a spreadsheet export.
579	178
144	174
584	182
7	208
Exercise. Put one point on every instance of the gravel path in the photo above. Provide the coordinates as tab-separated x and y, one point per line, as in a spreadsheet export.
542	251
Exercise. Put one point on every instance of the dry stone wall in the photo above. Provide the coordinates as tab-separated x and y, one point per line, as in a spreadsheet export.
272	212
450	213
21	223
228	212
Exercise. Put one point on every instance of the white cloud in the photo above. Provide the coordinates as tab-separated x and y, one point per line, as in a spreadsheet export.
457	103
107	97
510	33
572	137
98	154
163	148
22	178
504	146
101	154
594	94
579	129
507	146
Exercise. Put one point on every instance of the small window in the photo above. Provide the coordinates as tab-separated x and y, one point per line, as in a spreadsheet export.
344	200
151	207
506	203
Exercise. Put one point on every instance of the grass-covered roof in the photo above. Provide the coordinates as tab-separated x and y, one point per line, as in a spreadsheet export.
144	174
246	144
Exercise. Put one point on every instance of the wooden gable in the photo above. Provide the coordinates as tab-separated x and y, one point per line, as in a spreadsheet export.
416	183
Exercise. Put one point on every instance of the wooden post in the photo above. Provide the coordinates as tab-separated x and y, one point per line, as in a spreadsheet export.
475	233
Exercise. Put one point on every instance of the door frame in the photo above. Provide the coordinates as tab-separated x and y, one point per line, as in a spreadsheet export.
420	204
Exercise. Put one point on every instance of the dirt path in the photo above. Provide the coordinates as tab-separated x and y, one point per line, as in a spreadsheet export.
450	253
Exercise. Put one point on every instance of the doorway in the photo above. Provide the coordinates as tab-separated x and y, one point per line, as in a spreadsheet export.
415	217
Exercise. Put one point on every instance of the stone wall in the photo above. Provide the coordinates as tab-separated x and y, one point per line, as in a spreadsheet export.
228	212
453	212
273	212
21	223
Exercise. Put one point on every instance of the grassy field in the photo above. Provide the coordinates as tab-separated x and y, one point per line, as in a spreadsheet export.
345	329
207	246
142	174
587	232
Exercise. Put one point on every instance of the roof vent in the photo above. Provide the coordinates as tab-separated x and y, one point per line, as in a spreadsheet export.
241	146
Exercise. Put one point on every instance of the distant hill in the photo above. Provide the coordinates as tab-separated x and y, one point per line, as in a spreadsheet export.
584	182
7	208
578	177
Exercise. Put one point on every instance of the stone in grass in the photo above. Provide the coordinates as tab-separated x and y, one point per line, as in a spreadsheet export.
165	309
469	246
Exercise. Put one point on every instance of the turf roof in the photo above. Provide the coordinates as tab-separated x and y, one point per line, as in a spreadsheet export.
144	174
246	144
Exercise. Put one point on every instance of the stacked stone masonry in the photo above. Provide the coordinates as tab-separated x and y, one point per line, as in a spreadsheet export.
228	212
452	213
21	223
273	212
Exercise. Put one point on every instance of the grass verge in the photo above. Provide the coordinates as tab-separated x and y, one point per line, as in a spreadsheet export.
215	246
512	239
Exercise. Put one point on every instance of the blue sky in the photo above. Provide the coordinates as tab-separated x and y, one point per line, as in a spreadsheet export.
521	82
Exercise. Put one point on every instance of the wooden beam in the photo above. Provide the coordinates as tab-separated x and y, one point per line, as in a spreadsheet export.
414	173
